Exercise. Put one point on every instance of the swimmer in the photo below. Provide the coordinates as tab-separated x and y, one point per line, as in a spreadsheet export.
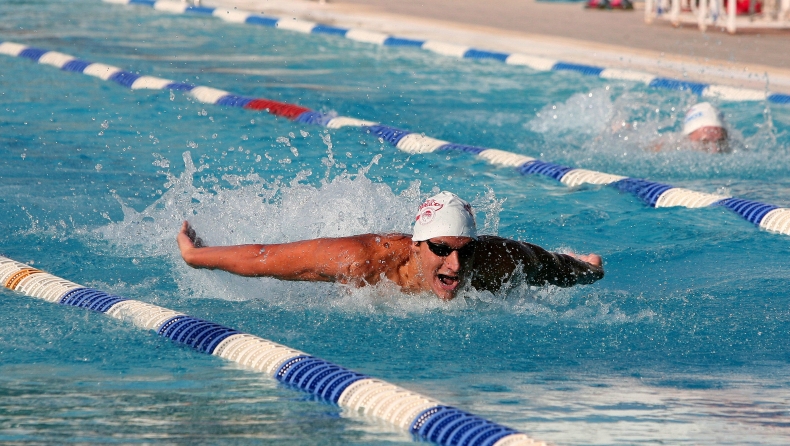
703	126
443	255
703	130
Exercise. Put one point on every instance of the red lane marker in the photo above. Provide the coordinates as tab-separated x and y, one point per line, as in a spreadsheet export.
277	108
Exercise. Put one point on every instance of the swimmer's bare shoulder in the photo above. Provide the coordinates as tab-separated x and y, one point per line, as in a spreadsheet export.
497	260
381	255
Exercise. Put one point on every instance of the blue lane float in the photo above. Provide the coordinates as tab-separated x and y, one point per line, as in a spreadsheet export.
537	63
770	217
425	418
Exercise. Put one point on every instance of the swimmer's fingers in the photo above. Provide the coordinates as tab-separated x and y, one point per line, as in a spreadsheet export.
187	230
197	242
592	259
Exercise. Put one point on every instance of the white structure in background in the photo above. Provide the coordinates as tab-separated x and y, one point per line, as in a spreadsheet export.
705	13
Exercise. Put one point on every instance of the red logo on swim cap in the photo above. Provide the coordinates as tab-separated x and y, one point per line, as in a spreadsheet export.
427	211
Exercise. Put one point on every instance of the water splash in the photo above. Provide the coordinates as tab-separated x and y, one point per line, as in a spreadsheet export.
585	113
638	133
245	209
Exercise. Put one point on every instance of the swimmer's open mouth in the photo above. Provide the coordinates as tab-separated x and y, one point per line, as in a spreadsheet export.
450	281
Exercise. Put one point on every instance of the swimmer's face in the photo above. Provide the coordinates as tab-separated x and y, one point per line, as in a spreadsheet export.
711	139
444	263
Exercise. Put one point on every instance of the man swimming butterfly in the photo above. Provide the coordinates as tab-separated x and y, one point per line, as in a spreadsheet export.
442	255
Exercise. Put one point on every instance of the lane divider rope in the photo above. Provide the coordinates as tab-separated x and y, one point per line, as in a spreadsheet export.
424	417
722	92
658	195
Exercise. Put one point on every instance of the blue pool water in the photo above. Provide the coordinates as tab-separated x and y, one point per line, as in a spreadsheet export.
683	342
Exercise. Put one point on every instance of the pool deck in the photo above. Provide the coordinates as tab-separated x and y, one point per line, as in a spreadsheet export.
562	31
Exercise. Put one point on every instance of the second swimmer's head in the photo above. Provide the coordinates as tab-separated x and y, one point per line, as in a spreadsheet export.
704	124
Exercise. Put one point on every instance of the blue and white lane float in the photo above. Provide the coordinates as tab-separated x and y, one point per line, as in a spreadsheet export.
722	92
420	415
767	216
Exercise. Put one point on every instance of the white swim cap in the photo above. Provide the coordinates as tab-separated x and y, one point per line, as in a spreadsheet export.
701	115
444	215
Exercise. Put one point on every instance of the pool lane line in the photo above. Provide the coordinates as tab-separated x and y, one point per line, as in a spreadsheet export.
722	92
658	195
424	417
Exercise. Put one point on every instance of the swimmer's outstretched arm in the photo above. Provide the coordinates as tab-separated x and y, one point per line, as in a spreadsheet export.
498	259
321	260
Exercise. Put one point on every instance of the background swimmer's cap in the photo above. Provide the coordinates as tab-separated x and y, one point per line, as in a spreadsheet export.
701	115
444	215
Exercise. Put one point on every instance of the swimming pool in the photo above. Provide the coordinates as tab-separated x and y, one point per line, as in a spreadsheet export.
682	342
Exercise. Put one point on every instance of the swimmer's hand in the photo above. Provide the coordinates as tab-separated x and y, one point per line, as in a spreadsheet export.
592	259
188	241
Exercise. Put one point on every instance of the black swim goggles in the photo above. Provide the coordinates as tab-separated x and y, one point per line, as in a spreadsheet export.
442	250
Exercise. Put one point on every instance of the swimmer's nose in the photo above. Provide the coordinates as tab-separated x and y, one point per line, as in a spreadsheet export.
453	262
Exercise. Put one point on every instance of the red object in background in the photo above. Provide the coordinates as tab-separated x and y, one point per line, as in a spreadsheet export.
742	7
276	108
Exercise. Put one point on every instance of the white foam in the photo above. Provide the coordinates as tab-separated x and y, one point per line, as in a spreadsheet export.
583	113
